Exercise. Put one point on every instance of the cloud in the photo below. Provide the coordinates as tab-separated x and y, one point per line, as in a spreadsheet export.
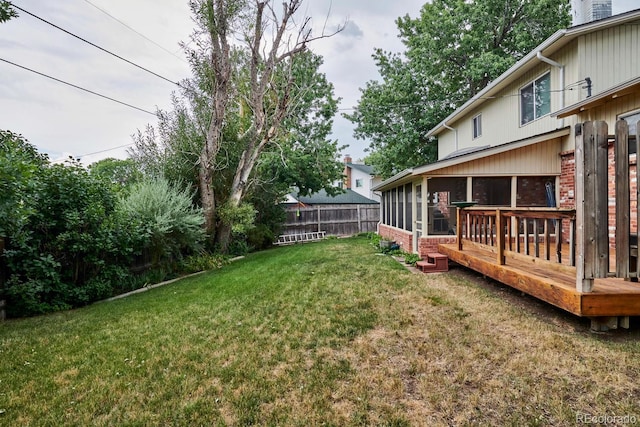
351	29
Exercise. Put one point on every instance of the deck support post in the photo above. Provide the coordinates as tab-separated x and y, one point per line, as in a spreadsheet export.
603	324
591	203
623	226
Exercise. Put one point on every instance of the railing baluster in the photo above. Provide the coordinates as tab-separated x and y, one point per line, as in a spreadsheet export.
547	241
536	238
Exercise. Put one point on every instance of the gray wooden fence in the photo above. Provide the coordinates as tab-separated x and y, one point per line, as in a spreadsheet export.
338	220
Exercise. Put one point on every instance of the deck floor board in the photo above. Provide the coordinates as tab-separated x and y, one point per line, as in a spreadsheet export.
551	282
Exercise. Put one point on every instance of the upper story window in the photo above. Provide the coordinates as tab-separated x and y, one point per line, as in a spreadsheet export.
535	99
477	126
359	183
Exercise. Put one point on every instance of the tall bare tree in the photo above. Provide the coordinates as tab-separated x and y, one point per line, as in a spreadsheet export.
244	56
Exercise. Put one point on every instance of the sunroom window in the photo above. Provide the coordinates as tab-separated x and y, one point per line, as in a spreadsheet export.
535	99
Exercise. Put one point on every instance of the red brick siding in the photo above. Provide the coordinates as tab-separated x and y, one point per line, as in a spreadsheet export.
401	237
567	190
429	244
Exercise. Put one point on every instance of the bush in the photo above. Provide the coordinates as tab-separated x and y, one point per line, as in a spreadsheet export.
202	262
166	218
69	237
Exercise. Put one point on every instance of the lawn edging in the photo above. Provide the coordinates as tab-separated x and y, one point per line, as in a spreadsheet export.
157	285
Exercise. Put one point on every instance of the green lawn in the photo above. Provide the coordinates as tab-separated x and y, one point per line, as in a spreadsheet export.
327	333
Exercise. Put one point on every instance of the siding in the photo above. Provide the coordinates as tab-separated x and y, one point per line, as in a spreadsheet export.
609	57
501	117
602	49
537	159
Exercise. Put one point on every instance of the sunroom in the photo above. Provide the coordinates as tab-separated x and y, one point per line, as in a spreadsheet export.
419	206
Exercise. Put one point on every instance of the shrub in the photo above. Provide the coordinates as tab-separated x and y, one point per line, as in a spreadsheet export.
412	259
202	262
166	219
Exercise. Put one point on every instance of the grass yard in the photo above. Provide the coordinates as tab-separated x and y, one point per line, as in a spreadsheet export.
327	333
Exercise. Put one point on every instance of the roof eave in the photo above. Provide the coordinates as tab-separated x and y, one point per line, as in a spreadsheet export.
394	179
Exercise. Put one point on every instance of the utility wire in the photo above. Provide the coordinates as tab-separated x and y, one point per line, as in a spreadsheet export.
436	102
78	87
94	45
107	150
135	31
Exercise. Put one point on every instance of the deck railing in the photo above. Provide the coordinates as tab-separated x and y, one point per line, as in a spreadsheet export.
534	232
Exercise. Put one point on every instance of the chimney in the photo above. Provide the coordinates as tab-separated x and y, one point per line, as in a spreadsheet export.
584	11
347	171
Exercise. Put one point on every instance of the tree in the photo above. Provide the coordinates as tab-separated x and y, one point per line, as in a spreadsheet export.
20	165
120	174
454	49
258	77
6	11
254	105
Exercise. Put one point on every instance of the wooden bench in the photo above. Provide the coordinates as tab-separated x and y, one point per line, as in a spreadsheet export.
435	263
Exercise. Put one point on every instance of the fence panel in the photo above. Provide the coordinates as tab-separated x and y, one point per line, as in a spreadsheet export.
339	220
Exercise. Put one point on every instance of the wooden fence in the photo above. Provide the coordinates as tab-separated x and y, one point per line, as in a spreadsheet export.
338	220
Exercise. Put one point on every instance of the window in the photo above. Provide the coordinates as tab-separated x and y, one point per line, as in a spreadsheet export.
359	183
535	99
400	207
477	126
632	120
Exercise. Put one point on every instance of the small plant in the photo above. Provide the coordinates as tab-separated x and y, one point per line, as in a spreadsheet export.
412	259
202	262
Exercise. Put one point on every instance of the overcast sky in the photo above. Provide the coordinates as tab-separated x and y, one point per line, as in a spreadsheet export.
61	120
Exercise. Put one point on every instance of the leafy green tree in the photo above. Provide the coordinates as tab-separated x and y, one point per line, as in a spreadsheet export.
6	11
120	174
454	49
302	156
20	164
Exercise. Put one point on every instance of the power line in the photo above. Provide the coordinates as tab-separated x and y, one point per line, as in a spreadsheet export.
78	87
106	150
435	101
94	45
135	31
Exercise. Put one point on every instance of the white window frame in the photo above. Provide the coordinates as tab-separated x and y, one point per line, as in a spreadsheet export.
476	126
359	183
532	83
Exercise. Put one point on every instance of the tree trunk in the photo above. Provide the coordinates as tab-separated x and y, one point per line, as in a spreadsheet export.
207	197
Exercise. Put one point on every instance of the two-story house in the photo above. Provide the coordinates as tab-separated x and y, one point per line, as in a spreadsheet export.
513	144
360	178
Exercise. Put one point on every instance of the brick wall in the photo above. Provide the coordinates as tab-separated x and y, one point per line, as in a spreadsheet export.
429	244
401	237
567	190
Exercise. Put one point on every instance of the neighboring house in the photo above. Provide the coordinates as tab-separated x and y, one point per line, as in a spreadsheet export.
513	143
346	213
360	178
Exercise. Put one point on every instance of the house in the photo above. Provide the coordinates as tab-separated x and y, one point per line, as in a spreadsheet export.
513	145
360	178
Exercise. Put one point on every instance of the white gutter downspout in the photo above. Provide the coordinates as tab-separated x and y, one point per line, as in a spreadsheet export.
456	132
561	67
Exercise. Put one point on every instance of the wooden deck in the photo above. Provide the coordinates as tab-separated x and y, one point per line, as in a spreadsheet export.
550	282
